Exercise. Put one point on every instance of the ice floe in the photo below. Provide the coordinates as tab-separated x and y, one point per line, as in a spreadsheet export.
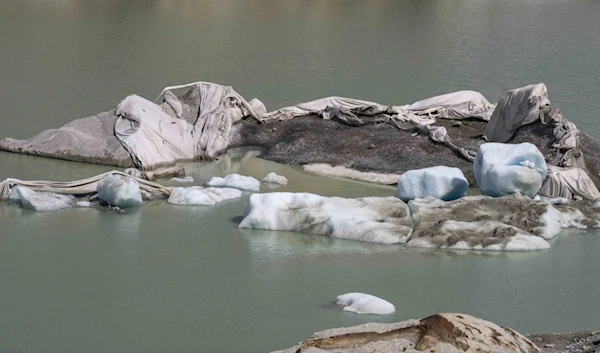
187	179
483	223
39	201
372	219
236	181
199	196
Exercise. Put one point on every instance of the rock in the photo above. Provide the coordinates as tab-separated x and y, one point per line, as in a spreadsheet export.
236	181
447	333
197	195
383	220
504	169
361	303
120	191
273	178
483	223
39	201
440	182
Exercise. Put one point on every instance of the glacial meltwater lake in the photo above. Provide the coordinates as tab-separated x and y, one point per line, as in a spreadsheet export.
166	278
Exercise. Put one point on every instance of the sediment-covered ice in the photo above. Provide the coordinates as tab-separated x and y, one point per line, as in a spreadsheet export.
361	303
236	181
39	201
440	182
372	219
484	223
120	191
273	178
199	196
504	169
187	179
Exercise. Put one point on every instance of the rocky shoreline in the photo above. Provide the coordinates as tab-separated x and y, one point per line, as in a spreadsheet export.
445	333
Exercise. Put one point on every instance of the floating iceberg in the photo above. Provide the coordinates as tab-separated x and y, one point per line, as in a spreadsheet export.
187	179
273	178
361	303
483	223
440	182
236	181
372	219
120	191
197	195
504	169
39	201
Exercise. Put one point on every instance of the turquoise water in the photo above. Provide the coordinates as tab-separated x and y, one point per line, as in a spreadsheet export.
178	279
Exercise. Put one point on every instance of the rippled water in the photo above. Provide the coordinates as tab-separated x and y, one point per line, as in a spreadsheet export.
178	279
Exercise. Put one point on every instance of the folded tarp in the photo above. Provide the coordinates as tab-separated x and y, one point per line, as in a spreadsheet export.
455	105
77	187
519	107
568	182
198	130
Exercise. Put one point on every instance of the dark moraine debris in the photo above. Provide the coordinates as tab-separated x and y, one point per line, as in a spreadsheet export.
310	139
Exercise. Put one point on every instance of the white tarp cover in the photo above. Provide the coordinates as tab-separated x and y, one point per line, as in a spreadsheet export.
83	186
568	182
455	105
155	139
152	137
520	106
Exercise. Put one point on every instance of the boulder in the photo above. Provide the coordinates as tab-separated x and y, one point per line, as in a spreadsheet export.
383	220
440	182
504	169
120	191
447	333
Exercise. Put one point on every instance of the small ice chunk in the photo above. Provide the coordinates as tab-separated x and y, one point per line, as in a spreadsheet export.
41	201
504	169
440	182
236	181
273	178
187	179
199	196
361	303
84	204
120	191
